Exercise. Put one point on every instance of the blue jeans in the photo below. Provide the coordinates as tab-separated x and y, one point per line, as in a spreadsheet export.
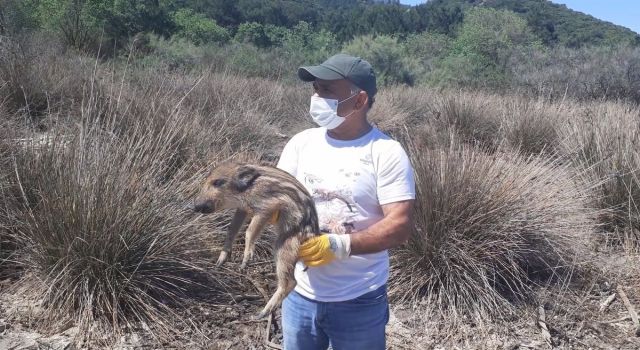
348	325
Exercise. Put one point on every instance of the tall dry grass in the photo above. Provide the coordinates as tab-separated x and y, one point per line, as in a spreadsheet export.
604	139
101	226
7	205
97	200
488	228
480	119
600	139
39	77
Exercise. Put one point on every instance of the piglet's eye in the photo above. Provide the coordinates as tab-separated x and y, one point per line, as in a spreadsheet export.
218	182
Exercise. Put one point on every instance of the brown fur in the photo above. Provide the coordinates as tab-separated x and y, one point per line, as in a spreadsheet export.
260	191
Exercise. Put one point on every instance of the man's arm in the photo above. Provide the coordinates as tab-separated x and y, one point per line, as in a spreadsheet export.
393	230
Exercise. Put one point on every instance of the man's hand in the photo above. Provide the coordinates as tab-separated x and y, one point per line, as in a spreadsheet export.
323	249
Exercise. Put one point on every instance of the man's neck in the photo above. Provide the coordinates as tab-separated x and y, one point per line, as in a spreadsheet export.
350	134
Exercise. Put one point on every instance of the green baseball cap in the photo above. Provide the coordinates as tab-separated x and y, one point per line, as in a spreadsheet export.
342	66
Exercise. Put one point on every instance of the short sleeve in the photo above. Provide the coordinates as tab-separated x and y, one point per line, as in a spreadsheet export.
395	179
289	157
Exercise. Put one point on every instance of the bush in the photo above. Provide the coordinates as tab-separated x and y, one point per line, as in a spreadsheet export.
262	36
38	77
480	119
387	56
309	45
604	139
428	49
485	43
199	29
487	228
8	204
585	74
15	18
102	226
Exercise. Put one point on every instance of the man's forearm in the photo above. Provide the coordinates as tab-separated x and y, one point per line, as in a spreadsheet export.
385	234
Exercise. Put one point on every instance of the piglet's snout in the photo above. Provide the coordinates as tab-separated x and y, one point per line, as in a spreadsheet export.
204	207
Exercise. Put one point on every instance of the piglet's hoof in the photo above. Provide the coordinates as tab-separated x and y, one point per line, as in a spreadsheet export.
261	316
222	258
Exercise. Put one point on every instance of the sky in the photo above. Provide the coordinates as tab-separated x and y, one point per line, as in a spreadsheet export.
622	12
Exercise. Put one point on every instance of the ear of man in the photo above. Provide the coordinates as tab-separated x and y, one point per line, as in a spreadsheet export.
362	100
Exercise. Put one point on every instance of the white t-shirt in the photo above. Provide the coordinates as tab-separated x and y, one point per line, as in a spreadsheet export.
349	181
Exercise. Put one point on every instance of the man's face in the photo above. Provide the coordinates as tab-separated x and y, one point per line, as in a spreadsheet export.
337	90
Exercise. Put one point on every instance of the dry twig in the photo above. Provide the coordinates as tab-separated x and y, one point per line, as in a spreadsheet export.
543	326
267	341
605	304
631	309
621	319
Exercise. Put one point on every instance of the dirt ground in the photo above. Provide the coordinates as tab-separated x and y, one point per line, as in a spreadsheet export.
574	318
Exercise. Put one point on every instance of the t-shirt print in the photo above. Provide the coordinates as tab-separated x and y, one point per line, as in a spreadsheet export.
336	209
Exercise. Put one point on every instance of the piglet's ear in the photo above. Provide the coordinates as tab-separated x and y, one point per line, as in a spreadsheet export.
244	178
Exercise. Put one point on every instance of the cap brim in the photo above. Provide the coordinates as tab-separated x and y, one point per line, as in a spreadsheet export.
312	73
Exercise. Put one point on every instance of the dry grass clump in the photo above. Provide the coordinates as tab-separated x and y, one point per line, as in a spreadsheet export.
38	77
102	233
7	204
479	119
604	139
487	228
101	227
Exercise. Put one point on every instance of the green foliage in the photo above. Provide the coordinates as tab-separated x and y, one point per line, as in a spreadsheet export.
82	21
555	24
124	18
261	35
428	45
301	41
387	56
198	28
486	41
440	16
308	44
263	22
175	52
493	34
15	16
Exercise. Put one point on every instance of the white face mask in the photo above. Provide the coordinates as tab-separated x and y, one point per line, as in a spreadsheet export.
324	111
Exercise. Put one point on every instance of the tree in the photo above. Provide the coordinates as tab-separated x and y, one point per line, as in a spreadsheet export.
387	56
493	34
486	41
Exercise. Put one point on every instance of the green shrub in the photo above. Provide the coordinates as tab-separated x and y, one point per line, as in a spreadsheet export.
199	29
310	45
387	56
260	35
482	49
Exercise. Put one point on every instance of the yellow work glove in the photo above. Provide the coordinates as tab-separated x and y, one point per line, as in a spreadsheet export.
323	249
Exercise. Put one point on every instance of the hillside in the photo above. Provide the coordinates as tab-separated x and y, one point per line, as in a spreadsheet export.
557	24
553	23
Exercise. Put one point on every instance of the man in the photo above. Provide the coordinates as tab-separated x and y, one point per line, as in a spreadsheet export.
363	187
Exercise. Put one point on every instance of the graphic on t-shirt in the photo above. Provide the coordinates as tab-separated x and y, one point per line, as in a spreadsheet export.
336	211
367	160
